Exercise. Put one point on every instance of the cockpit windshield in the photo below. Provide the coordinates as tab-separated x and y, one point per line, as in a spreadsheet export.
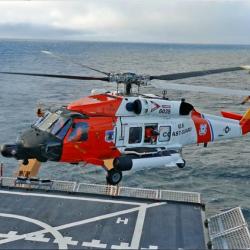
54	124
44	123
61	127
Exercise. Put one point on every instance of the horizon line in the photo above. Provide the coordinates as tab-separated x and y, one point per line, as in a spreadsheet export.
126	42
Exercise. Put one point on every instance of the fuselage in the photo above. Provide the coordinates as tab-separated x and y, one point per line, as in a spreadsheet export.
106	126
117	126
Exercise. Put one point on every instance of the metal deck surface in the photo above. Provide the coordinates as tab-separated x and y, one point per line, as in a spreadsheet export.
45	220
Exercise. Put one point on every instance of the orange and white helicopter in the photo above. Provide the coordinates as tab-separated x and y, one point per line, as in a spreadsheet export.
133	130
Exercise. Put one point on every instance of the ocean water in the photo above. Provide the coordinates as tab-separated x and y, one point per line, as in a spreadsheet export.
220	172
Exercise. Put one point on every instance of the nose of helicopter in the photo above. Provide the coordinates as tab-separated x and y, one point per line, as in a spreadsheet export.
8	150
50	151
34	144
16	151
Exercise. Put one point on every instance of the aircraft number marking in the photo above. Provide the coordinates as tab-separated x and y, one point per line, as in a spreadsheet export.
165	111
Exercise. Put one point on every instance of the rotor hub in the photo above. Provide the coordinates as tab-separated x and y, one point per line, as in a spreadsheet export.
129	78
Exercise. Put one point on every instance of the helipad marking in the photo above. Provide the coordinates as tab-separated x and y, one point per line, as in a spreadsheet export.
138	228
38	238
72	198
137	232
94	243
123	245
9	234
106	216
150	247
61	242
120	220
86	221
69	241
139	224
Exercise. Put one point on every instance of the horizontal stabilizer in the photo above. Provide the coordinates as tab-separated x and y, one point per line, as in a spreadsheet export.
231	115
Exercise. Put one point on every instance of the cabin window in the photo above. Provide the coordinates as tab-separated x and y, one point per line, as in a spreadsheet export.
151	133
135	135
79	132
164	133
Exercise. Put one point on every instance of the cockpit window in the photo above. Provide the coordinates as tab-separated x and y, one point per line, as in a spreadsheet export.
54	124
61	127
47	121
58	124
79	132
41	119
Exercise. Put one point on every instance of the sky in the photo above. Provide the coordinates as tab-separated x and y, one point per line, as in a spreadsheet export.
160	21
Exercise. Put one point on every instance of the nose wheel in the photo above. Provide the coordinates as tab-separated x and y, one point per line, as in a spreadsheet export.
114	176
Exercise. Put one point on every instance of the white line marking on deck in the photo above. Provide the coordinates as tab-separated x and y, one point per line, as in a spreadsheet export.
71	198
38	238
61	242
150	247
139	224
123	245
9	234
102	217
69	241
120	220
86	221
94	243
137	232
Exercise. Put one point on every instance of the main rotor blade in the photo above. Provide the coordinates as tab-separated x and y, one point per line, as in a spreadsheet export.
183	75
204	89
72	61
106	79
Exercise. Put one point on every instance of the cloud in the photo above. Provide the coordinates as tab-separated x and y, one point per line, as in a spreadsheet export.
195	21
28	30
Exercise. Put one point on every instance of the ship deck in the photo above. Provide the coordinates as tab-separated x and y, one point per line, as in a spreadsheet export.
31	219
44	214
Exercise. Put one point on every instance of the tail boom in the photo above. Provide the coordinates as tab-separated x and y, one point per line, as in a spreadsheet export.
215	128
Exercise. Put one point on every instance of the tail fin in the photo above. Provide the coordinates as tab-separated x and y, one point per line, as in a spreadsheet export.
245	122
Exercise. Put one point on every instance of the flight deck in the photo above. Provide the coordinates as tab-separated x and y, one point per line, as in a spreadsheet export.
44	214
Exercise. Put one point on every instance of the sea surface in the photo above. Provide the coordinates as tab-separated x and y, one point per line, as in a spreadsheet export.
220	172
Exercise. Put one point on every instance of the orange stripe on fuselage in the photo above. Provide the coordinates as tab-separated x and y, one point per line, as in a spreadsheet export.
202	126
97	105
97	147
99	144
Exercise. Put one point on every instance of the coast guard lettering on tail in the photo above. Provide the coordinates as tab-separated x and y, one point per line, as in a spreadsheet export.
125	131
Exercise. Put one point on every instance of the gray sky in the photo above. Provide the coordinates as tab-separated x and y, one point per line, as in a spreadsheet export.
180	21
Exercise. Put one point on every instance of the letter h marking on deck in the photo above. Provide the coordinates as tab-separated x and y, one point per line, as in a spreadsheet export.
120	220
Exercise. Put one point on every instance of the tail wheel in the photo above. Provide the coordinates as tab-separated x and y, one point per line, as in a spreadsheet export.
181	165
114	176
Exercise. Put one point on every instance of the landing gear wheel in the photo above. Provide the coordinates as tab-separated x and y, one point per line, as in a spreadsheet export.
25	162
181	165
114	176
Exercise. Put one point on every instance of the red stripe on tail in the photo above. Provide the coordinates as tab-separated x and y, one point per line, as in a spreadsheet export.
203	130
245	122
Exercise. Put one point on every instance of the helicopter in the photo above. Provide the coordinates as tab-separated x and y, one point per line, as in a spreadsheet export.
121	131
